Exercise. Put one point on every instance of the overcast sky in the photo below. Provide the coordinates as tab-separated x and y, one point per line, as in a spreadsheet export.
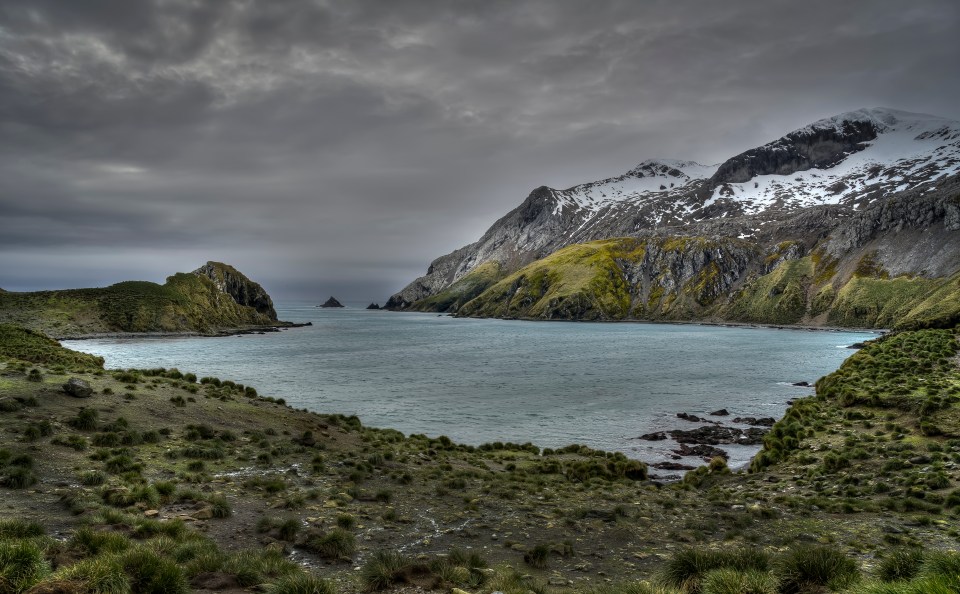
337	146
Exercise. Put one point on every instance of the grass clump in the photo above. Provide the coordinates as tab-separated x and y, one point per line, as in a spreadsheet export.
98	575
901	565
300	583
732	581
22	564
384	569
336	544
811	567
20	529
150	573
688	568
538	556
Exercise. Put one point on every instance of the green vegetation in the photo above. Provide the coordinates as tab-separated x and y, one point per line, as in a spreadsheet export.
856	489
471	285
185	303
695	278
614	279
32	347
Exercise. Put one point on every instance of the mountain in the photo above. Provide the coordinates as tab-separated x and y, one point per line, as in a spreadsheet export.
214	299
869	193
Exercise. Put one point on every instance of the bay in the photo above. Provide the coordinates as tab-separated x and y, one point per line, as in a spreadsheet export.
477	381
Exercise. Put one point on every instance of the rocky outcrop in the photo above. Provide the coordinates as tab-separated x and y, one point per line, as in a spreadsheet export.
332	302
820	146
373	306
244	291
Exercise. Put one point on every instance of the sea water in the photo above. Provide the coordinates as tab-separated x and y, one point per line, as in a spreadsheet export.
477	381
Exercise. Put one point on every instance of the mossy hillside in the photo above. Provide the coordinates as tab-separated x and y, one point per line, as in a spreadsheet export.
185	303
698	278
614	279
222	480
779	297
471	285
581	281
21	344
879	302
939	308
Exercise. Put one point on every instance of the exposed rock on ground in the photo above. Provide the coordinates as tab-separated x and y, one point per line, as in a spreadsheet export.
77	388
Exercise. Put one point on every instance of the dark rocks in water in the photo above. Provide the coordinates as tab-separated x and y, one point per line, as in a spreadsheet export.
802	384
332	302
655	436
694	418
707	452
761	422
77	388
717	435
373	306
672	466
857	345
720	413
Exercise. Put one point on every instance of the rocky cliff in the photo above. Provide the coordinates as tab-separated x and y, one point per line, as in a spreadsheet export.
244	291
878	184
214	299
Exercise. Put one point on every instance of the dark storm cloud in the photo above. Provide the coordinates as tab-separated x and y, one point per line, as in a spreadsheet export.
338	146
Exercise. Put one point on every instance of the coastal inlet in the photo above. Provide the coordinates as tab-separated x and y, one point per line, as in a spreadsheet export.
478	381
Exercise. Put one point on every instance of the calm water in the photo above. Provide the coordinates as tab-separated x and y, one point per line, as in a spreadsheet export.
476	381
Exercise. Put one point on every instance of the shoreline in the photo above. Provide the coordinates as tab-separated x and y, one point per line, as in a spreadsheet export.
219	334
721	324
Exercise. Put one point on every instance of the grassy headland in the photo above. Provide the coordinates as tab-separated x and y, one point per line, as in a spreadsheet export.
160	481
192	303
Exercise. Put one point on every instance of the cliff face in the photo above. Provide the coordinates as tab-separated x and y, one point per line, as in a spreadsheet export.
875	181
186	303
244	291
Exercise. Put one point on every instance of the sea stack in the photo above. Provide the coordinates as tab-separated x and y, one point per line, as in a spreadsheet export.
332	302
373	306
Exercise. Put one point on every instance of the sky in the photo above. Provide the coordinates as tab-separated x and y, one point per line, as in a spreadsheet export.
335	147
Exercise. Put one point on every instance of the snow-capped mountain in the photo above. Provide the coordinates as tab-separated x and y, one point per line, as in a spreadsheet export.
843	164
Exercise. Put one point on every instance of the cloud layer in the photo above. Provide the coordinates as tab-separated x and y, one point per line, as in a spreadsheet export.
337	146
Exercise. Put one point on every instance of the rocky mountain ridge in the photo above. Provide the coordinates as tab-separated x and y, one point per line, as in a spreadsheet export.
878	181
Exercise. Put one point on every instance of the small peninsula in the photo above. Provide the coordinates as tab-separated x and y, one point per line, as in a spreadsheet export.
214	299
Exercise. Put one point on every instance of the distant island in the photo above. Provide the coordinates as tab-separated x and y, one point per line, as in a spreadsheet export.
332	302
373	306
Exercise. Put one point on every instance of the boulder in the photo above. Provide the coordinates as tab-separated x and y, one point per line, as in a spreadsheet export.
720	413
802	384
78	388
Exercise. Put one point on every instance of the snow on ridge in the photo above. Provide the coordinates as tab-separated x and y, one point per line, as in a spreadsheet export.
884	119
911	150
